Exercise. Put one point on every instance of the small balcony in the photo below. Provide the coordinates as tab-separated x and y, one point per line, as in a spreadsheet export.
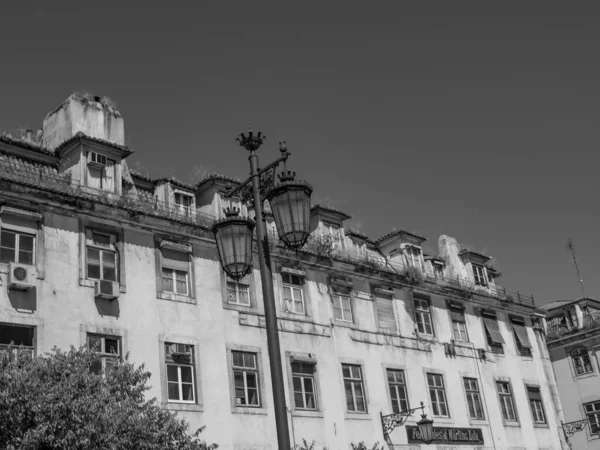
556	331
45	178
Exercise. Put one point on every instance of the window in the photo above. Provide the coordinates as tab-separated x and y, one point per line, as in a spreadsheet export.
180	373
293	293
397	385
438	271
303	378
506	401
581	361
342	305
492	332
592	411
332	229
459	325
437	393
101	172
21	338
521	338
535	401
384	310
108	349
354	388
175	271
184	203
245	376
413	256
238	293
473	398
101	256
16	247
479	275
423	314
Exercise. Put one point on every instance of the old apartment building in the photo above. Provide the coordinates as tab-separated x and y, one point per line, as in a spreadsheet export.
93	253
573	338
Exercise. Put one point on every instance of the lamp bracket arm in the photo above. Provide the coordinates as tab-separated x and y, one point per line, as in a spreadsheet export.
266	181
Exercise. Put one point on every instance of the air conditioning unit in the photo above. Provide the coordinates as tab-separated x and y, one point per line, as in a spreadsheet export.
96	160
21	277
107	289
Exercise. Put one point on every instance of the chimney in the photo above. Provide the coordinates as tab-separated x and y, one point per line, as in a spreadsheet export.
448	249
91	115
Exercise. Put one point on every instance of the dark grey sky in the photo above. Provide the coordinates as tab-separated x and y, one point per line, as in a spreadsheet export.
473	119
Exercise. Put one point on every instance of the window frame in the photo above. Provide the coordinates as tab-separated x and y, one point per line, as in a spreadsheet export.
470	394
111	248
401	369
303	377
102	170
510	395
535	411
102	354
119	245
493	347
385	295
479	279
237	291
262	393
183	248
18	234
452	308
574	365
441	388
254	305
594	413
524	352
414	256
341	292
353	381
416	297
21	347
26	222
179	381
306	358
294	287
163	339
187	211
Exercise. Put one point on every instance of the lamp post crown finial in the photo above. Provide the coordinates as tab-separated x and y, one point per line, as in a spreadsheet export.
252	141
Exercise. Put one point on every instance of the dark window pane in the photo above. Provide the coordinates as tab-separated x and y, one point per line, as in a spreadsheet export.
96	366
186	374
238	359
111	346
7	239
25	257
298	400
7	255
188	392
95	343
173	391
172	373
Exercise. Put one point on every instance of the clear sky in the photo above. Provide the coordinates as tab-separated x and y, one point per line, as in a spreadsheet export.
474	119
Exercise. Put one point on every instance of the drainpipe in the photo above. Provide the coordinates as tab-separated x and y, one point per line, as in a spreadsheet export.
552	387
485	403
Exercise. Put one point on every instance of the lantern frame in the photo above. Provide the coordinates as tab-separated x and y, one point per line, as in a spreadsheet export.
298	218
233	219
425	428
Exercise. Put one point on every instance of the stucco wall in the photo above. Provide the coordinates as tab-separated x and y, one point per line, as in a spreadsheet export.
64	310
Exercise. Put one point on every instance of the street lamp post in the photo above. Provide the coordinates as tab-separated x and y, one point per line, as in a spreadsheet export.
290	205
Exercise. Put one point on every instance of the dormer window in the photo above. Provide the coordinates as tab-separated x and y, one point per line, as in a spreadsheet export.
479	275
413	256
101	172
184	203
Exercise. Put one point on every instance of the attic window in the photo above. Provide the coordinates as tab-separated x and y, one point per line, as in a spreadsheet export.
184	203
413	256
96	159
101	172
331	229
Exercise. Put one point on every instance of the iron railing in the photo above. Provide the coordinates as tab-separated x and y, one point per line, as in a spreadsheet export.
334	248
44	178
559	330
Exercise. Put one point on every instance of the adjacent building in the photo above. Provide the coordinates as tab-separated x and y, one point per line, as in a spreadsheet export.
94	253
573	338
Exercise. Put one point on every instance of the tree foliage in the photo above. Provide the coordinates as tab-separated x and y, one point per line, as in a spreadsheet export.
55	402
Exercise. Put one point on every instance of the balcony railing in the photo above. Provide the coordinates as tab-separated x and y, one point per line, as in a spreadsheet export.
559	330
43	178
334	249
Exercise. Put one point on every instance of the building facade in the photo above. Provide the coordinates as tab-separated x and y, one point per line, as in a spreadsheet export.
93	253
573	338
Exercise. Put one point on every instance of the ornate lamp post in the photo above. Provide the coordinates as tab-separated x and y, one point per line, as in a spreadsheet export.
290	205
391	421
